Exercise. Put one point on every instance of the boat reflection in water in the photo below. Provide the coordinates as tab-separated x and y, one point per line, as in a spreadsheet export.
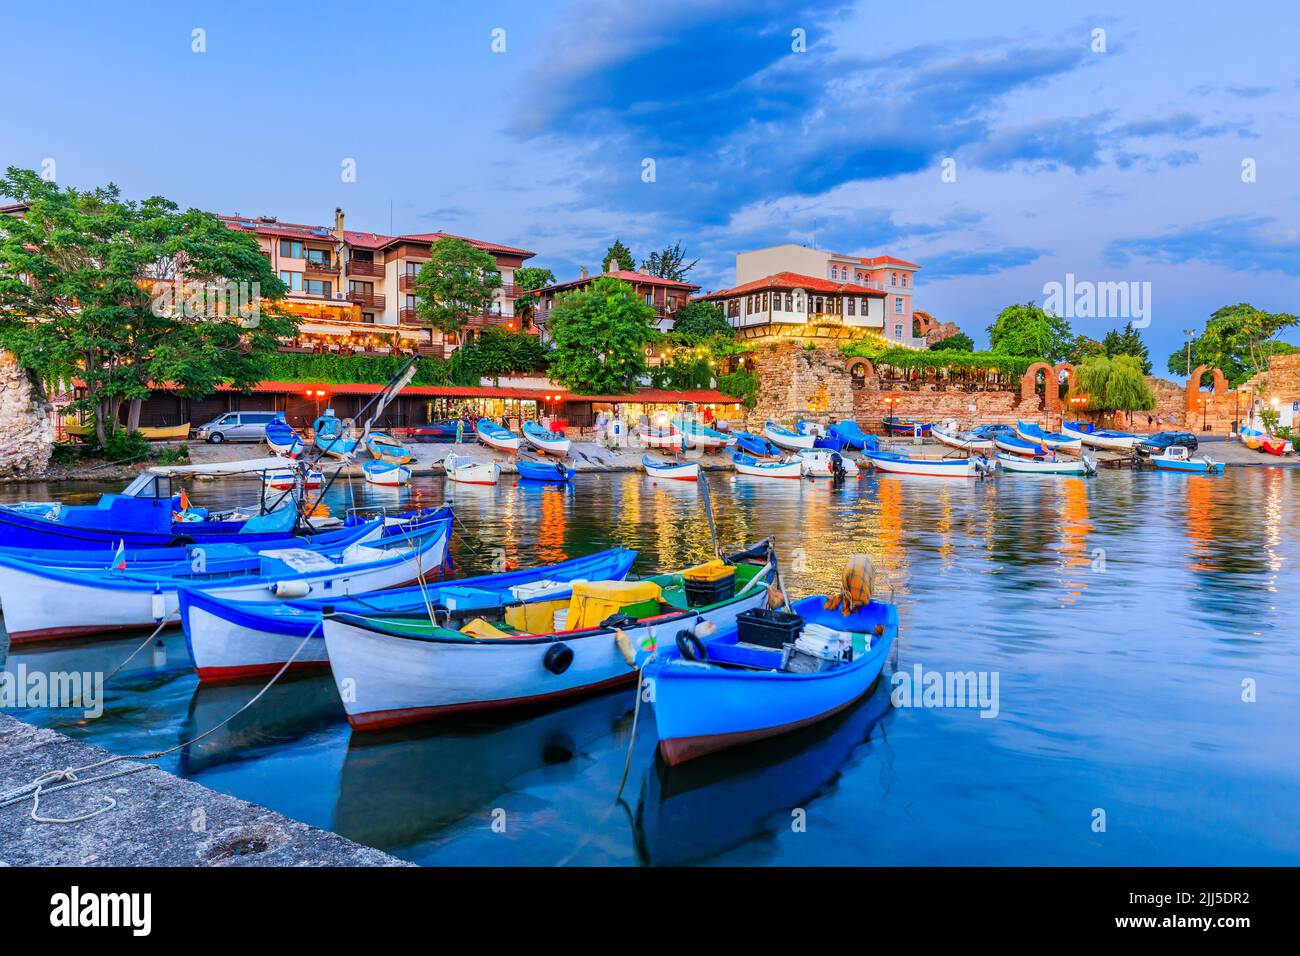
400	788
695	811
297	706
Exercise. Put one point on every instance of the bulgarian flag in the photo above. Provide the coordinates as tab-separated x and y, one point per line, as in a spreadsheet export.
119	558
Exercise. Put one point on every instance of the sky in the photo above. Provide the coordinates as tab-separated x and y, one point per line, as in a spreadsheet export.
1000	146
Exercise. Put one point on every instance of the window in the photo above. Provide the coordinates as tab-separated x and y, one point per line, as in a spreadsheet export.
293	280
318	257
367	287
672	303
410	302
850	306
318	287
368	318
898	330
893	278
412	268
904	280
898	306
291	248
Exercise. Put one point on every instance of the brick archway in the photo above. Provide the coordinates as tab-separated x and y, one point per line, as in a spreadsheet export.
1068	369
1051	389
868	370
1191	402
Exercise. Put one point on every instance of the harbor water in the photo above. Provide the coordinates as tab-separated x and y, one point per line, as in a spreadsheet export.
1134	638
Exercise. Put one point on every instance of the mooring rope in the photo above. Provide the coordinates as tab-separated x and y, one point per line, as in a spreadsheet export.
69	775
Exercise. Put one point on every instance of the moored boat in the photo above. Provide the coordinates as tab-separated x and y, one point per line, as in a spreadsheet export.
852	435
287	480
758	468
756	446
821	463
544	440
700	435
549	471
787	438
406	669
386	473
1089	434
1276	446
497	436
948	434
1019	464
439	431
386	448
661	437
727	691
234	640
894	425
672	470
44	603
165	432
1054	440
894	463
282	439
1177	458
467	471
331	436
1018	446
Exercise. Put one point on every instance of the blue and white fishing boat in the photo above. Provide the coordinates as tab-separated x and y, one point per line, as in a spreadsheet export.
331	436
895	425
948	434
43	603
1177	458
852	435
897	464
545	440
758	468
1053	440
548	471
1090	434
405	669
233	640
757	446
384	447
701	436
1046	465
143	515
282	439
721	692
787	438
1018	446
385	473
671	470
497	436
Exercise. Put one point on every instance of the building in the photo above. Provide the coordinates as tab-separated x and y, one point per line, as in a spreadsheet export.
665	296
826	281
354	289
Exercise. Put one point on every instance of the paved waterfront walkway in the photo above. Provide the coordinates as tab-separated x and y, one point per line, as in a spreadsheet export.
160	819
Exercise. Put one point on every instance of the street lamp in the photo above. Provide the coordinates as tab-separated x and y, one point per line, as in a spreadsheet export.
1189	333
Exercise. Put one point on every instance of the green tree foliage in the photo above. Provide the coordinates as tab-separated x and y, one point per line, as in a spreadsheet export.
600	335
458	281
1028	330
670	263
621	255
90	288
696	321
1239	340
329	369
499	351
1083	347
1127	342
1009	367
1113	384
961	342
529	279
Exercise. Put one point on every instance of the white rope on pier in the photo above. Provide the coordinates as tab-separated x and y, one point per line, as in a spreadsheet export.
69	776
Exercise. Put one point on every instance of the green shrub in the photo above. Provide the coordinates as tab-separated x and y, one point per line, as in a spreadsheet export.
124	446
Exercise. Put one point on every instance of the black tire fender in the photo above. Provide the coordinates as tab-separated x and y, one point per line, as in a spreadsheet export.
691	647
558	658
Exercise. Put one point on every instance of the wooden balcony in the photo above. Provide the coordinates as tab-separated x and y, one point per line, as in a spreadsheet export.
408	315
511	291
359	267
487	320
405	282
367	300
322	268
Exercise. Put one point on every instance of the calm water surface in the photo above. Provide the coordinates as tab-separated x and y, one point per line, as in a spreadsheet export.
1122	615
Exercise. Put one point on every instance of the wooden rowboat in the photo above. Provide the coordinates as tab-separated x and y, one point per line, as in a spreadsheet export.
470	472
672	470
495	436
552	443
896	464
787	438
756	468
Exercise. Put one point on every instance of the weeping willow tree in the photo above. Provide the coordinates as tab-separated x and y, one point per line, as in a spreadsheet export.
1113	385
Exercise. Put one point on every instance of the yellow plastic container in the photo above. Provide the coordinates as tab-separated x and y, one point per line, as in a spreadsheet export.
715	570
594	601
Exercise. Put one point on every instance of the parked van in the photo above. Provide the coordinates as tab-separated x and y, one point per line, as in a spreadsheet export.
237	426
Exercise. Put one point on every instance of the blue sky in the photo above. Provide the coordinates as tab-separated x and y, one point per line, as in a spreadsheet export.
1116	165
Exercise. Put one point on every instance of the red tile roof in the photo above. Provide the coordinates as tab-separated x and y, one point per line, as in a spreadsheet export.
643	395
432	237
362	240
627	275
887	261
793	280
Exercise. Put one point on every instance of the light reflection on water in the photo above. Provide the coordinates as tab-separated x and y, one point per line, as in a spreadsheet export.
1122	615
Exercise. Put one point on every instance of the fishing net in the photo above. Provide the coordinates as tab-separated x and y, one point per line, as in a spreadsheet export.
855	589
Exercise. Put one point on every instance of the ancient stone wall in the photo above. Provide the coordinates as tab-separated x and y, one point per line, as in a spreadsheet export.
26	439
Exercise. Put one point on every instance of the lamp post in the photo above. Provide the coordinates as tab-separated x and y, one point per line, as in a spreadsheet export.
1189	333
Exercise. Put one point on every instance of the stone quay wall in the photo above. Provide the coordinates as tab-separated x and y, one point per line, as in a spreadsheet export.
26	430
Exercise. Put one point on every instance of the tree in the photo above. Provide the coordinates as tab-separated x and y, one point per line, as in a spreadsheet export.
499	351
1127	342
1083	347
600	335
1027	330
669	263
1113	384
960	342
457	282
696	321
120	294
1238	340
621	255
529	279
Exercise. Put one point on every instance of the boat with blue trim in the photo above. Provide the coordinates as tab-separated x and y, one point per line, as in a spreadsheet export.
548	471
545	440
1056	441
496	436
785	438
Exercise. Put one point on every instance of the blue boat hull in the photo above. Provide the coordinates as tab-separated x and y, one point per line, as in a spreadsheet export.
1189	467
852	435
31	532
544	471
701	710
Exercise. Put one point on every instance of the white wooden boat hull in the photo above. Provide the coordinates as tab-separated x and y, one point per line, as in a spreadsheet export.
394	681
41	607
1016	450
821	466
955	468
1107	442
789	442
287	481
558	446
652	440
510	445
474	473
1028	466
686	471
956	441
391	478
785	469
1073	446
225	650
